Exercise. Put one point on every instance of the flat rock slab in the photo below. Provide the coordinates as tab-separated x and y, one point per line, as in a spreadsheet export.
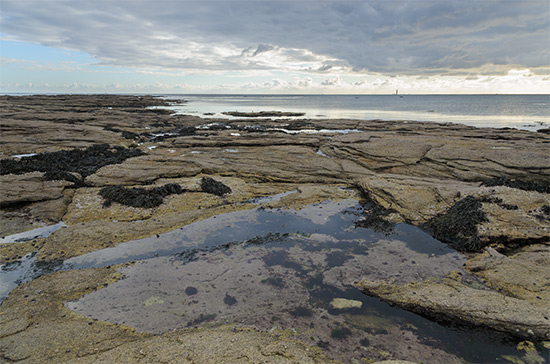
29	187
452	301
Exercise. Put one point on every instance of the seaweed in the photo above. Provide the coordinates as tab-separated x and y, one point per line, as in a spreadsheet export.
542	186
301	311
202	318
266	239
458	226
210	185
374	215
229	300
337	258
544	213
125	134
341	333
63	164
275	282
139	197
499	202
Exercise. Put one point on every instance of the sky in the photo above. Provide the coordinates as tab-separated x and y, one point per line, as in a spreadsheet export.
275	47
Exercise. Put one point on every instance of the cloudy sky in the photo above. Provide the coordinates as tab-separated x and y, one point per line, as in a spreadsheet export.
284	46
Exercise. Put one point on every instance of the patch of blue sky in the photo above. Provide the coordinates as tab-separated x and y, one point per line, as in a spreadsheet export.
40	53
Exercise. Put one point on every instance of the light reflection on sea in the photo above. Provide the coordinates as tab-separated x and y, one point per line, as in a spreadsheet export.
526	112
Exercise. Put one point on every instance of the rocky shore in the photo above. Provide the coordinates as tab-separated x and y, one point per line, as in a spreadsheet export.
116	169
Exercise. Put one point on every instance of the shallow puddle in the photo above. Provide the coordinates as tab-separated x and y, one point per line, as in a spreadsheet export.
287	270
41	232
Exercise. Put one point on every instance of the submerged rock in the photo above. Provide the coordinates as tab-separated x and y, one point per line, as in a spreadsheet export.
343	303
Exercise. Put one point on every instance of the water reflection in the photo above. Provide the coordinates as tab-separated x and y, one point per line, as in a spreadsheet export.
289	270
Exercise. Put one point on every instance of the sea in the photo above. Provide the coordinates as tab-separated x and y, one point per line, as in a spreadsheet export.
525	112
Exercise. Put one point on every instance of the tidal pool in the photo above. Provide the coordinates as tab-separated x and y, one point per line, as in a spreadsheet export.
289	270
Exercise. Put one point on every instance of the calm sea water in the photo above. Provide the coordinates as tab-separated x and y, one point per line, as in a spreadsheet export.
527	112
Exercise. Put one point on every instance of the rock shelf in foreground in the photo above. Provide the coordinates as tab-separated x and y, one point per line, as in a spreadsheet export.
410	172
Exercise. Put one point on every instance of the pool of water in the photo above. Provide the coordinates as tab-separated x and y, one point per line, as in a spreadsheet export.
293	270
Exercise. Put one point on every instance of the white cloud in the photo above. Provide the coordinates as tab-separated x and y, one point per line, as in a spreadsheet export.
387	37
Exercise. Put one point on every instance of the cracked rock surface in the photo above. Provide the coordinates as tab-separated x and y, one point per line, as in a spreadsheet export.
406	172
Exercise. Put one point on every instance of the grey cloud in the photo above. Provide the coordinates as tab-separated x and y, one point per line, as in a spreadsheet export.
392	37
324	67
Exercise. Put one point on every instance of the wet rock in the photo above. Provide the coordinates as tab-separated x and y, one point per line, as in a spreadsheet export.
139	197
210	185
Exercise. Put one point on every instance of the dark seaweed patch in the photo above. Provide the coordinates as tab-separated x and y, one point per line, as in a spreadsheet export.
202	318
139	197
340	333
337	258
374	215
376	223
210	185
229	300
125	134
301	311
63	163
542	186
458	226
544	213
275	282
279	257
266	239
498	201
